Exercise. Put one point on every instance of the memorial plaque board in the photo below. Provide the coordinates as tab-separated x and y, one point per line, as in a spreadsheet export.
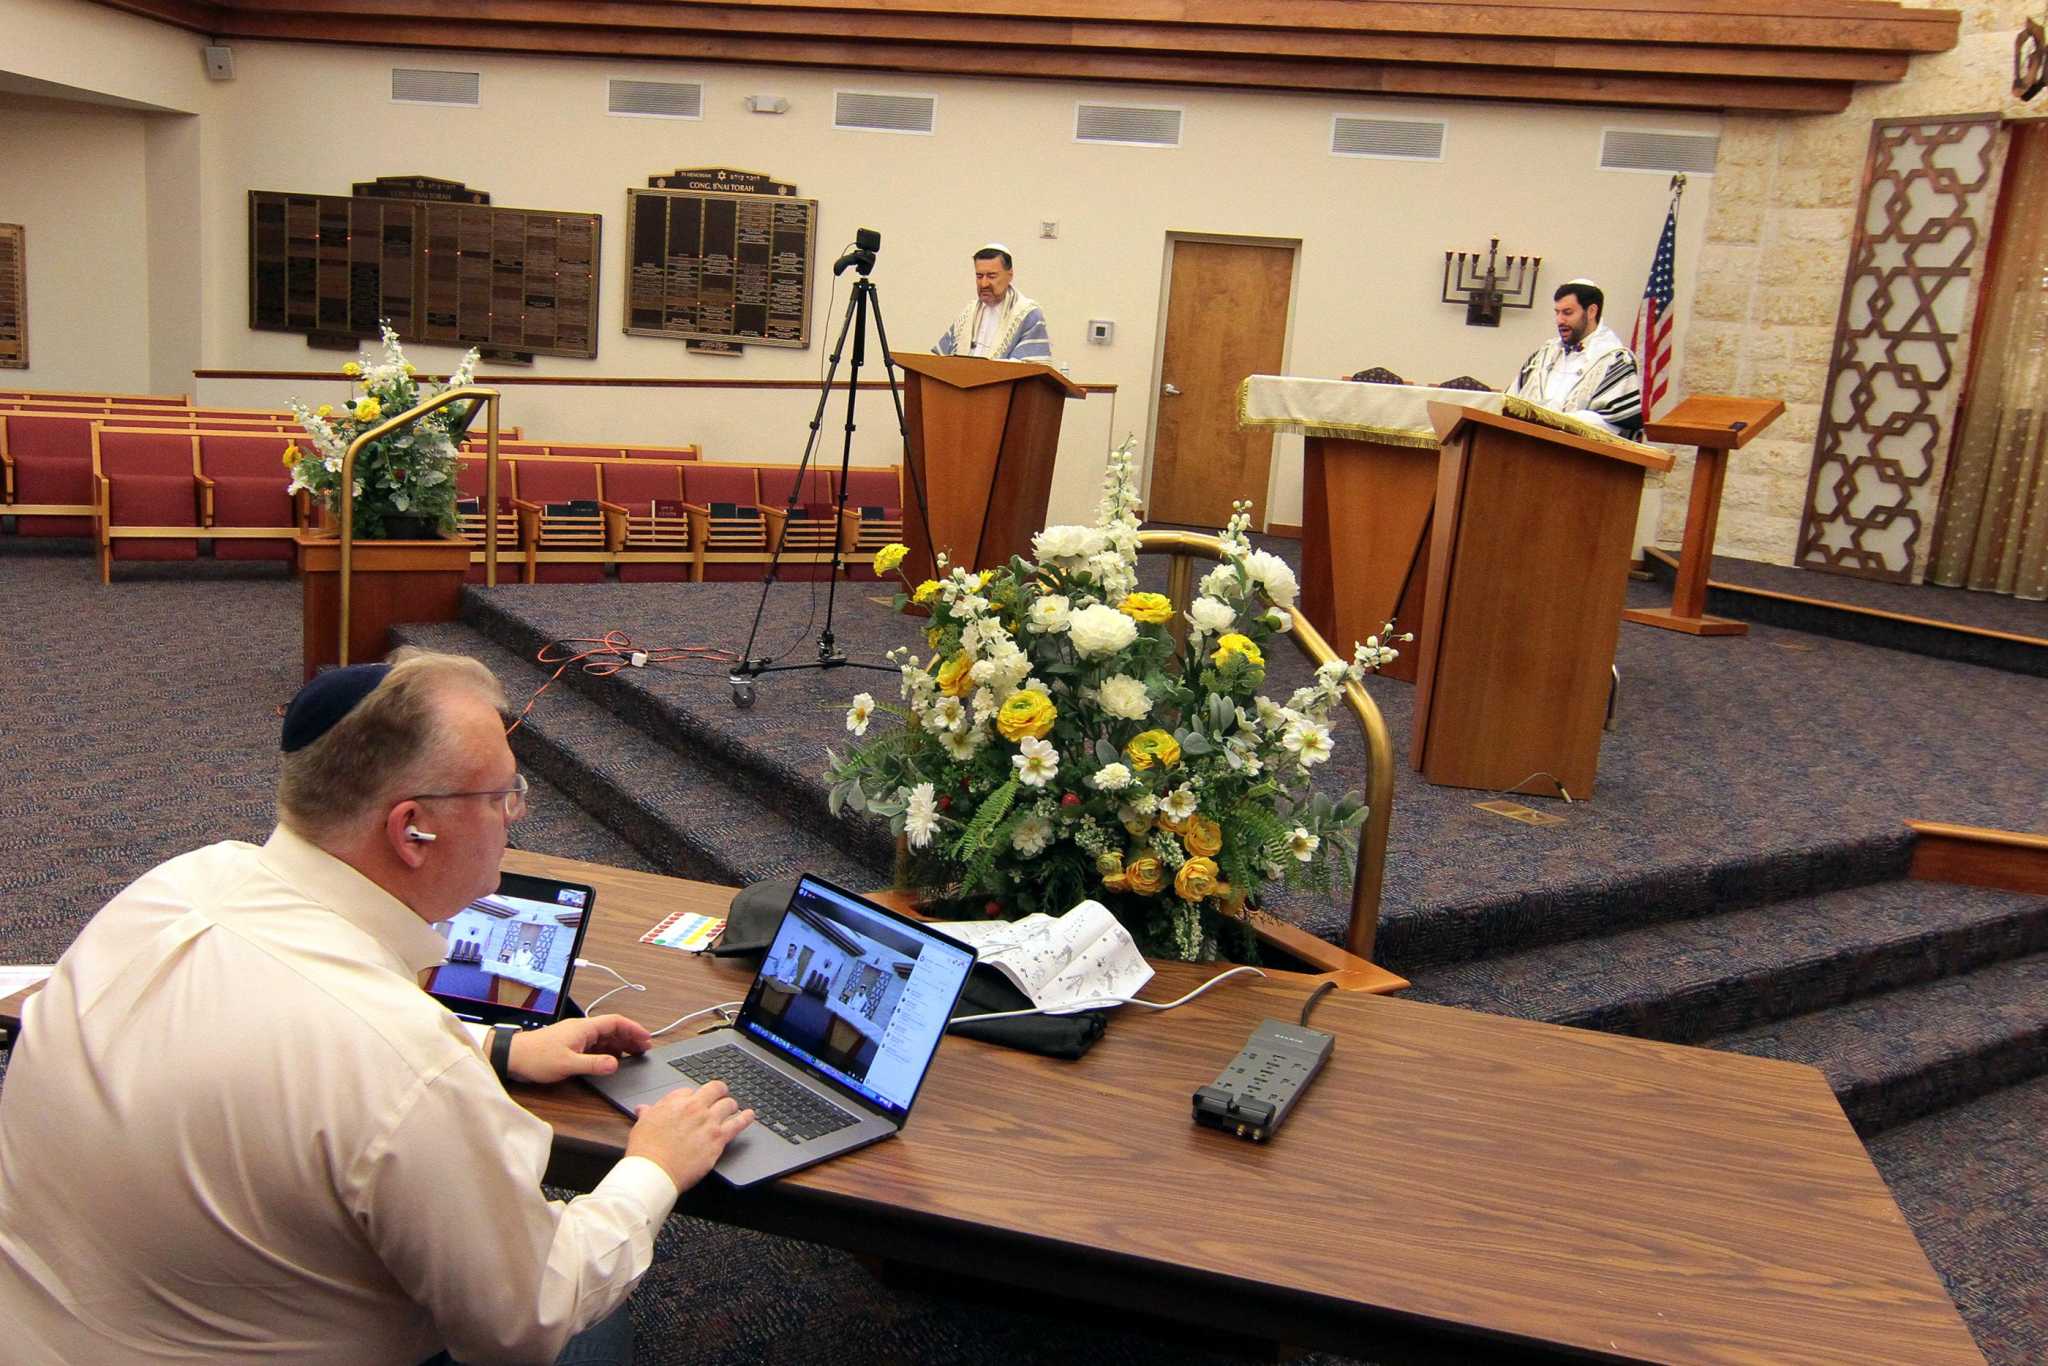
443	271
13	297
720	267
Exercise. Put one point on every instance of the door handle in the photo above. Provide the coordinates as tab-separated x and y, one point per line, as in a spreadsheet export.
1171	391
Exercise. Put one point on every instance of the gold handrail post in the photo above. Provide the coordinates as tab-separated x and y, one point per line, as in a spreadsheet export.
489	398
1367	878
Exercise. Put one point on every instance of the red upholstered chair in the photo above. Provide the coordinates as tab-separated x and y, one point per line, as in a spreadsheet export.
242	480
874	515
475	445
585	450
813	526
728	535
46	463
644	500
148	491
664	452
469	493
561	522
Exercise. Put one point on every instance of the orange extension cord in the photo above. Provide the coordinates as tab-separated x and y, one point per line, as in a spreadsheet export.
608	654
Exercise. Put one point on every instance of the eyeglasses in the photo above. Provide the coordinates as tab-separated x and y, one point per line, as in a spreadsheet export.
513	797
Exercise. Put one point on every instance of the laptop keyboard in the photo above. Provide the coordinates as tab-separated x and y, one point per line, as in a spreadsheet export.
795	1112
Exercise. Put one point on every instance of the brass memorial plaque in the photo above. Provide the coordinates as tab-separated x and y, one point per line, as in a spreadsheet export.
727	266
13	297
444	271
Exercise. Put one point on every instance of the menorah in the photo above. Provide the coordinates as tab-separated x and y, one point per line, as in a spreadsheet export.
1506	283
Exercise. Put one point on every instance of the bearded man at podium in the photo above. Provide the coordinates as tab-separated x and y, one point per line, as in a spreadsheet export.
1000	324
1586	372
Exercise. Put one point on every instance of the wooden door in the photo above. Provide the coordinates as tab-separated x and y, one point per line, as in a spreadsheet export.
1226	317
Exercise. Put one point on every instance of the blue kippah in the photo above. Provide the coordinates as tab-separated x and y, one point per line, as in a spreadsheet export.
322	703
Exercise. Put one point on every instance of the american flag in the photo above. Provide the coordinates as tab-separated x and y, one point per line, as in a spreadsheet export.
1651	338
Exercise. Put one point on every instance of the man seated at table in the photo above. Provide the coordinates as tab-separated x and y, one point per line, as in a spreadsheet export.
235	1127
1585	371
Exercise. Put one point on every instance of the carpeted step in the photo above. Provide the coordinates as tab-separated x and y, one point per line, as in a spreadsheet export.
1688	980
1973	1183
1911	1052
678	812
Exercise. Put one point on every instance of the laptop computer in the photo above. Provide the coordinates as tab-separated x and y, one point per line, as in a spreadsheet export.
512	954
832	1043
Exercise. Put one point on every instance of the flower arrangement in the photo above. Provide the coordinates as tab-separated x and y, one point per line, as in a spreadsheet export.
1059	745
407	475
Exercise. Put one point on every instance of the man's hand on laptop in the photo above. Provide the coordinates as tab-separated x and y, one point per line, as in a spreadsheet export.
576	1048
684	1132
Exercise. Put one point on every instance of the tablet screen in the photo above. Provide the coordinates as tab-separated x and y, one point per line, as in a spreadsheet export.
511	954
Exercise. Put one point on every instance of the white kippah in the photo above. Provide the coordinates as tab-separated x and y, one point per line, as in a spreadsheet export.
1582	280
993	246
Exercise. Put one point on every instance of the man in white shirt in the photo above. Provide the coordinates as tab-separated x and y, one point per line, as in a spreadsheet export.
1585	371
1001	323
234	1127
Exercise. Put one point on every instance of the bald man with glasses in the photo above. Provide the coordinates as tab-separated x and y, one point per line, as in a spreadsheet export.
236	1129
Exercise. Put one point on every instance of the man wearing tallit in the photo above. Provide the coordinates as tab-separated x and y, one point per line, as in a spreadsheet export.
1000	324
1586	372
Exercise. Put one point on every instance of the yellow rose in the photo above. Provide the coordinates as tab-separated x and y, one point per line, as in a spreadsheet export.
1169	823
291	456
1111	866
1203	837
954	678
1150	608
926	591
1196	879
1145	875
1026	713
324	410
368	410
352	369
891	555
1150	745
1235	644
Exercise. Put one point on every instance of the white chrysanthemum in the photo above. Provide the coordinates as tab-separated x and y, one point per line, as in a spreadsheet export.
1066	543
921	817
860	713
1271	573
946	714
961	744
1303	844
1049	614
1037	763
1110	778
1180	803
1145	803
1124	697
1100	630
1031	836
1221	582
985	704
1211	616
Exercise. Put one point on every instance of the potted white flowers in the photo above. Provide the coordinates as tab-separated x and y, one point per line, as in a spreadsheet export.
1058	743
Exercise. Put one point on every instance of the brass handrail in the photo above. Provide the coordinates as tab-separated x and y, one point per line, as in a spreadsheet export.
1379	746
490	399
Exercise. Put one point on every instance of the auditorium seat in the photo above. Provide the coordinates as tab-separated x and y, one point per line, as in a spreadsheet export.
47	463
874	513
242	481
469	493
728	535
89	396
663	452
147	485
812	512
561	525
648	498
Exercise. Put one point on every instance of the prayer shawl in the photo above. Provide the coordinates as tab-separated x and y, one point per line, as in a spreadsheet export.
1020	331
1611	388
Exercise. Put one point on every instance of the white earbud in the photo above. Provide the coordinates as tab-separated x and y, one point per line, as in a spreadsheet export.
419	836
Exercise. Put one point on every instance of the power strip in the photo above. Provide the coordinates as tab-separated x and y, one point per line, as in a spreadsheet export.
1259	1088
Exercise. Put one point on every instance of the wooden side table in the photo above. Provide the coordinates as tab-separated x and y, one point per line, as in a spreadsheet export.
1715	424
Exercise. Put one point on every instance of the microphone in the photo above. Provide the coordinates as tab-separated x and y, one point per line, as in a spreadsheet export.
419	836
866	243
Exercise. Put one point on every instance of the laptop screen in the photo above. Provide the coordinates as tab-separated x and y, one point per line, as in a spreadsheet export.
511	954
861	995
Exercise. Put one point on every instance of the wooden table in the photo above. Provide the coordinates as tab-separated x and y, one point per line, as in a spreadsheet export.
1454	1184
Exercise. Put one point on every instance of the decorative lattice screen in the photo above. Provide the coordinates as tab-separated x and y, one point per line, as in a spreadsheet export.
1893	380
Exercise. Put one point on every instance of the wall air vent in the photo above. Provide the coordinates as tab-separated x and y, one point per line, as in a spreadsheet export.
410	85
656	99
869	112
1127	125
1399	139
1637	149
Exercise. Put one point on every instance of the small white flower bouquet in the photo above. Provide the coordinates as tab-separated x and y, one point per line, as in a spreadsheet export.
1058	745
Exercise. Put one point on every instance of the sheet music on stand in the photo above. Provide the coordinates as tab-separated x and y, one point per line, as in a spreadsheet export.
1084	955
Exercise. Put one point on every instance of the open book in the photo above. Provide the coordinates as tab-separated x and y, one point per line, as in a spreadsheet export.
1080	958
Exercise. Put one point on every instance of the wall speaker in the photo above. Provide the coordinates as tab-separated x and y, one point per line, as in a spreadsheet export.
220	62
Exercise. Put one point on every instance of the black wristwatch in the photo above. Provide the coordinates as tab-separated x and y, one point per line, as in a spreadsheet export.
501	1050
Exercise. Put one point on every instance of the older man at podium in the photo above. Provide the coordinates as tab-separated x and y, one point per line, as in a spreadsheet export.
1000	324
1586	372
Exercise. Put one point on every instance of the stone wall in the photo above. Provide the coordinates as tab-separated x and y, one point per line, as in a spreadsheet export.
1770	282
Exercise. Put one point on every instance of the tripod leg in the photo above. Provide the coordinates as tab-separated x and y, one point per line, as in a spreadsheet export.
924	517
861	289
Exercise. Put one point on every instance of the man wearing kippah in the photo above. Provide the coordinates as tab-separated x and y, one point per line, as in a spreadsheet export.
1585	371
236	1129
1000	324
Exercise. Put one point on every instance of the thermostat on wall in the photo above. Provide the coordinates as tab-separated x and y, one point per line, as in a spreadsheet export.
1101	332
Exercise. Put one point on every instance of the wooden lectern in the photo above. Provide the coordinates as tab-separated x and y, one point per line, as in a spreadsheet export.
1365	517
1716	425
1528	570
983	437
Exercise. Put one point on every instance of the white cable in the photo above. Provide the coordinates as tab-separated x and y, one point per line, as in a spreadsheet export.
624	985
1105	1001
721	1007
